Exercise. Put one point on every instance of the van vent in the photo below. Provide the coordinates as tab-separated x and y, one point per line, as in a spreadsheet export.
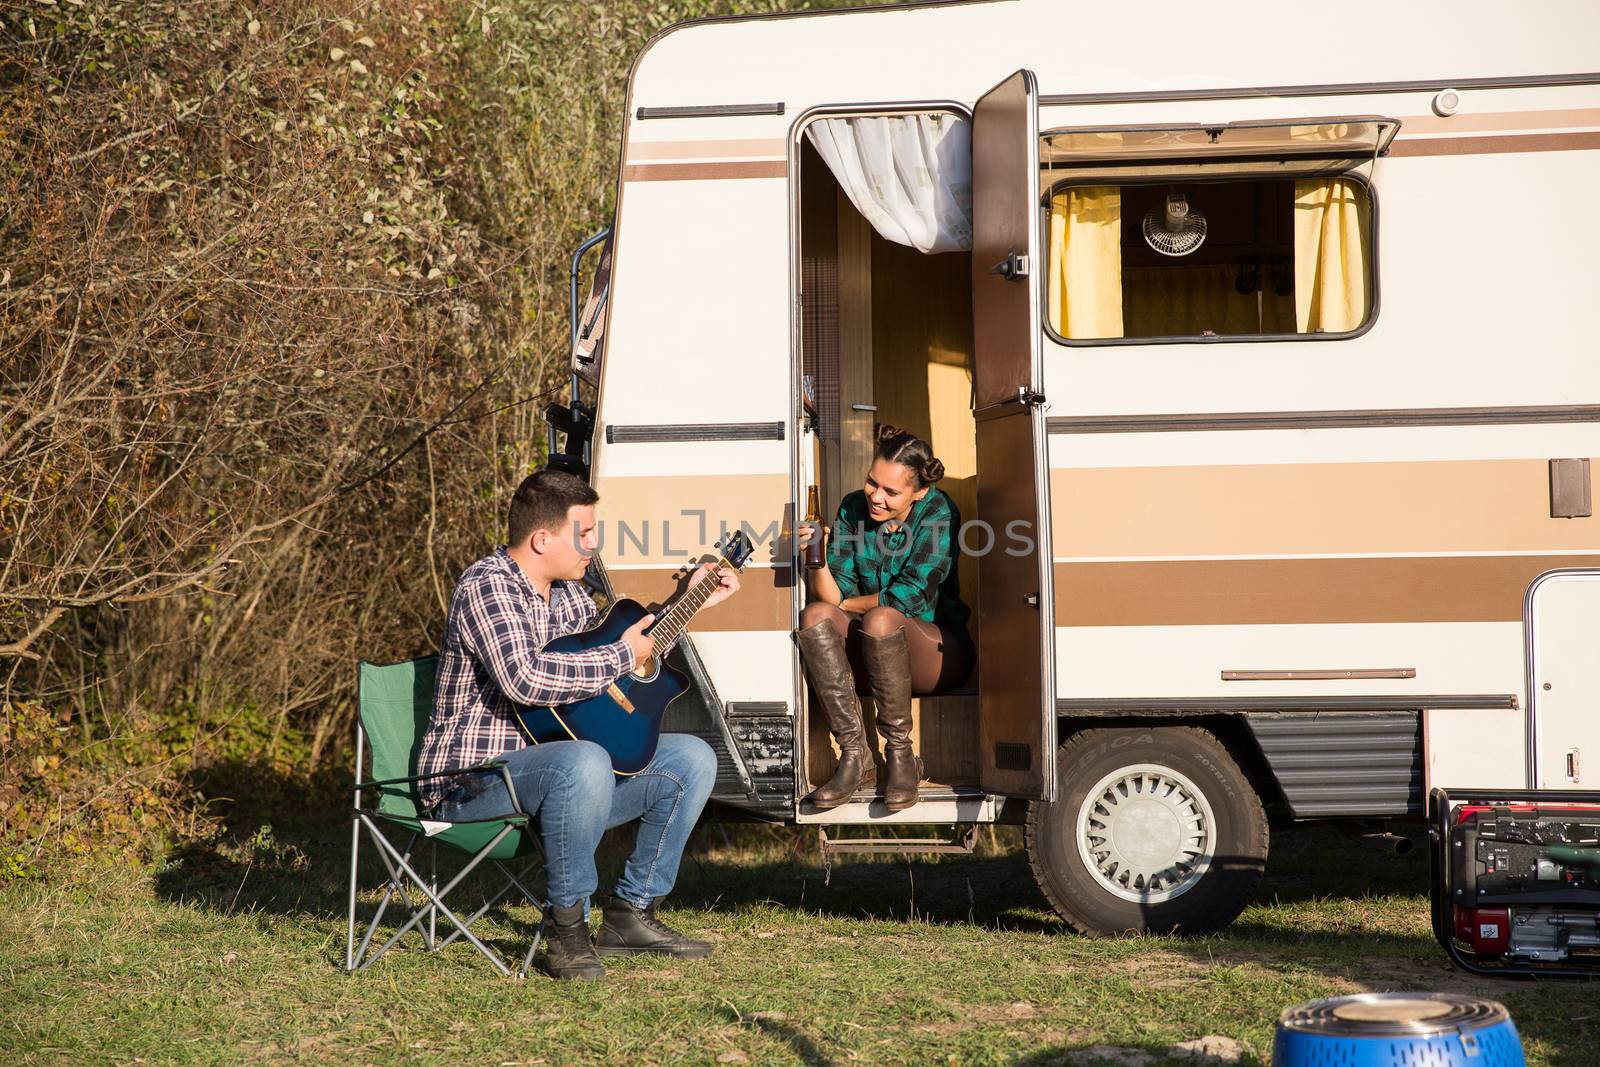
705	111
1012	756
694	431
756	709
1333	764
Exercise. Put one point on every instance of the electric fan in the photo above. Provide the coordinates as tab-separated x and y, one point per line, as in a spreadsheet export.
1178	230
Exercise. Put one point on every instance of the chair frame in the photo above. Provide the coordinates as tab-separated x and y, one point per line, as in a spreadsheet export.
401	871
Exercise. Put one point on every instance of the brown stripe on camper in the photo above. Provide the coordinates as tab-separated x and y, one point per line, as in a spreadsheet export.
738	148
1461	506
1299	591
704	171
764	600
673	520
1551	119
1466	146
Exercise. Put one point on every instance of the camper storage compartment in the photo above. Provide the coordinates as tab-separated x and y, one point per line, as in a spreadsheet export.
1516	880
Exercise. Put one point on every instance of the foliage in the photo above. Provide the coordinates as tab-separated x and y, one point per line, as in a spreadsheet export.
14	866
156	783
282	292
239	291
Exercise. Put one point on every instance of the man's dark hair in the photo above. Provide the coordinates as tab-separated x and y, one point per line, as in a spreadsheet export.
542	501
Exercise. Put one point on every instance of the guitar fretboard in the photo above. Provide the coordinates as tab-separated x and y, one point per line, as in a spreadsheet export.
670	625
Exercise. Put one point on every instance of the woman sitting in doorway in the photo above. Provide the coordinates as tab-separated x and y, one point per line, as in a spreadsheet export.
886	615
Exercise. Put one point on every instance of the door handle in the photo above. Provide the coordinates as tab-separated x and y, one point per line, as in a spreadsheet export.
1572	765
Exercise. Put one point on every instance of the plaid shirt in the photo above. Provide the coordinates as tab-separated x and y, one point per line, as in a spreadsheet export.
492	659
911	565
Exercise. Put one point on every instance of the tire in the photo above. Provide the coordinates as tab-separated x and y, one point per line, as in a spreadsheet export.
1193	841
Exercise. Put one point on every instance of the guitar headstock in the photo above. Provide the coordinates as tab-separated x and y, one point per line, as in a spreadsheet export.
736	549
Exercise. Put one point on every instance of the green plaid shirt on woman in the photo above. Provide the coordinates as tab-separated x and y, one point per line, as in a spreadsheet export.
910	565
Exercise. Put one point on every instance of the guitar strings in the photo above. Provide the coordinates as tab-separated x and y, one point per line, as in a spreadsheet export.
692	599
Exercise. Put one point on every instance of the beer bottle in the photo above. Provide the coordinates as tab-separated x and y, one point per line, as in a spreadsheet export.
816	556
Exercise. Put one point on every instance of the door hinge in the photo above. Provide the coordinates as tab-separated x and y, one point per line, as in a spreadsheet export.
1013	267
1002	408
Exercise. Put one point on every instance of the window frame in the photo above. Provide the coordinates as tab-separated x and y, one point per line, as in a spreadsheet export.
1387	129
1053	335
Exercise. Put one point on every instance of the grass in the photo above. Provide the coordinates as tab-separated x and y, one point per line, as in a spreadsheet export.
233	952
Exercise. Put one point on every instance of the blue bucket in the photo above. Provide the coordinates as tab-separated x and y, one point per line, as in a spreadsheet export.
1398	1030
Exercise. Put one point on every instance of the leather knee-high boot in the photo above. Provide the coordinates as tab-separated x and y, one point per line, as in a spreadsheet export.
826	662
888	661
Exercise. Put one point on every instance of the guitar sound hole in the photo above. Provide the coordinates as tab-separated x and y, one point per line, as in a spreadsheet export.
646	670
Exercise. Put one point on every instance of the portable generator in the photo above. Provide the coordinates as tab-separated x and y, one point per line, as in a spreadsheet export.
1516	880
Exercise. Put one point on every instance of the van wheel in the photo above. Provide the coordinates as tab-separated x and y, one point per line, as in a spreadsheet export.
1153	830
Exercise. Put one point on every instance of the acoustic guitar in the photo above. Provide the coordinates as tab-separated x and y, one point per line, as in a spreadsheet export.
625	718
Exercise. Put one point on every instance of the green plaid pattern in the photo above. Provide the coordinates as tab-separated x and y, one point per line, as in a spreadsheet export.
910	565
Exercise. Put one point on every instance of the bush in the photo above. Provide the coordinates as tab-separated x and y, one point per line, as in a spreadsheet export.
282	293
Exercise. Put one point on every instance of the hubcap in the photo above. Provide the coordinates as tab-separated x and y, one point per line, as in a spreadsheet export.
1146	833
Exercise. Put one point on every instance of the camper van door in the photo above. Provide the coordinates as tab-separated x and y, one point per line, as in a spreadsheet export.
1016	646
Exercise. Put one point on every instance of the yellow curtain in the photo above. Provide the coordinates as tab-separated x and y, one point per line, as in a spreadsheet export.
1192	300
1330	256
1085	287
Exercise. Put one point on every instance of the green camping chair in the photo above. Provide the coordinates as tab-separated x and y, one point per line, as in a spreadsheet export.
394	703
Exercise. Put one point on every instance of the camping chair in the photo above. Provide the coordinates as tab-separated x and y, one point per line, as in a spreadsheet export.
393	704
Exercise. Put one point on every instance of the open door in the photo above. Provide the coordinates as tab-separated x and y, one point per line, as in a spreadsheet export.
1016	642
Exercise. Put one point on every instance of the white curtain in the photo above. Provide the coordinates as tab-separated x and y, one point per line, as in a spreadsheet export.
908	175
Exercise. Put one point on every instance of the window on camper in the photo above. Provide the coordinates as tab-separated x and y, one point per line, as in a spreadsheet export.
1192	234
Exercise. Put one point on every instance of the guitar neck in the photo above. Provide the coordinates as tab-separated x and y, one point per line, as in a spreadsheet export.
676	616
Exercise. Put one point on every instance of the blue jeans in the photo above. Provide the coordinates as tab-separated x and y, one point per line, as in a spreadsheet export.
570	791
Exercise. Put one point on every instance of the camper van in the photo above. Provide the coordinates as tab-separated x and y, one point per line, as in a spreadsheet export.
1256	342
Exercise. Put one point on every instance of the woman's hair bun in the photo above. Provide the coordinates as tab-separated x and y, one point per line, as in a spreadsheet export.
901	446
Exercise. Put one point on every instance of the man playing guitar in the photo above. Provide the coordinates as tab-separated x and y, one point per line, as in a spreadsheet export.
505	609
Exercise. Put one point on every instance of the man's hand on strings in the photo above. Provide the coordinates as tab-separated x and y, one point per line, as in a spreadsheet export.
729	583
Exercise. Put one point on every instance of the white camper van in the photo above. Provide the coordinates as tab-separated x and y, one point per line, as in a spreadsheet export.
1257	339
